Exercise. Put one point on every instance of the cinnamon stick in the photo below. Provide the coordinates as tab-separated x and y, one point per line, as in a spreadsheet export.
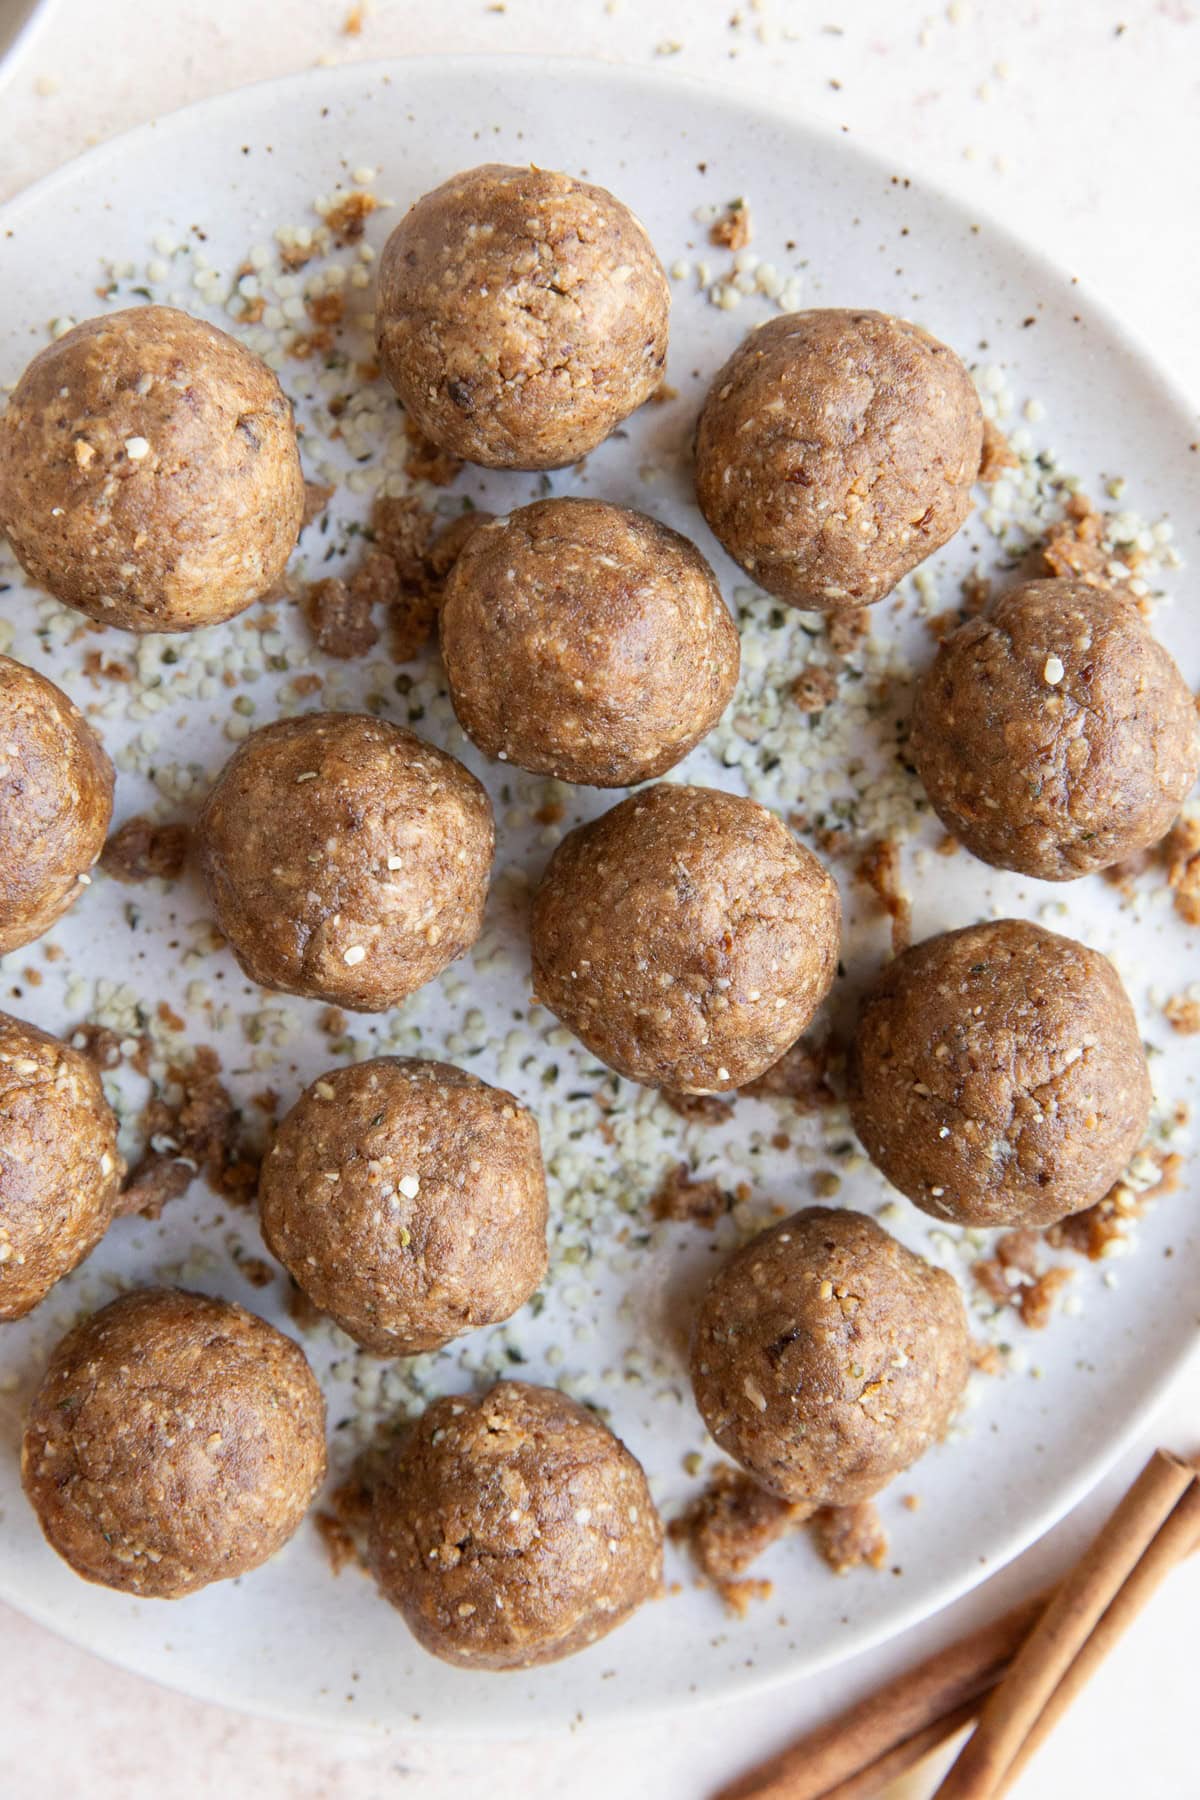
1064	1628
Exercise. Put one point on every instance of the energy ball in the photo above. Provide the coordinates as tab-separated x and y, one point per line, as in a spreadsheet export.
521	315
60	1169
174	1441
56	797
998	1075
513	1529
149	473
408	1201
686	937
346	859
836	450
1055	735
826	1357
588	642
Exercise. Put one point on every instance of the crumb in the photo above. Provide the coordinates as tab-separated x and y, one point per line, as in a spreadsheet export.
256	1269
332	1021
141	850
911	1502
798	1076
316	499
997	455
426	462
947	845
845	631
348	219
739	1596
1183	1014
813	689
879	869
984	1358
101	665
1181	852
98	1043
1035	1303
734	229
848	1536
301	1310
337	1542
699	1109
339	616
353	23
663	394
447	546
1077	546
1088	1233
731	1522
191	1127
679	1197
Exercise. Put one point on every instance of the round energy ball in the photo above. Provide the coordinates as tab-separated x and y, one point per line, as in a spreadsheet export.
826	1357
686	937
521	315
56	797
408	1201
998	1075
60	1169
149	473
346	859
513	1529
174	1441
836	450
586	641
1055	735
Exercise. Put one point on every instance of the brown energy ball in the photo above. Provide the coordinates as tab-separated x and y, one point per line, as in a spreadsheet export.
588	642
513	1529
60	1169
1055	736
686	937
56	795
836	450
826	1357
149	473
175	1440
408	1201
346	859
521	315
999	1076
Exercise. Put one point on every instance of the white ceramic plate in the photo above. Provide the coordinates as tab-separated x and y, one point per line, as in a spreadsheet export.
18	19
218	179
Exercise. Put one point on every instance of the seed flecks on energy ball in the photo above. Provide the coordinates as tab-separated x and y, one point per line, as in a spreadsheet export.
835	451
521	316
60	1169
998	1075
513	1529
1055	735
149	473
56	799
175	1440
407	1199
826	1357
586	641
686	937
346	859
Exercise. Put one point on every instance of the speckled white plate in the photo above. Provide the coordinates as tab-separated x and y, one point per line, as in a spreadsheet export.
218	179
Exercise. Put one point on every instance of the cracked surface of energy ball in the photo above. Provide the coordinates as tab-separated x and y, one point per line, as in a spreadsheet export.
826	1357
521	316
1054	734
60	1169
175	1440
686	937
56	798
835	451
998	1075
346	859
149	473
586	641
408	1201
513	1529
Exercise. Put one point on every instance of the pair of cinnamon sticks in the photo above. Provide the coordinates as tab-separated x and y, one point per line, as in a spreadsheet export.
1016	1676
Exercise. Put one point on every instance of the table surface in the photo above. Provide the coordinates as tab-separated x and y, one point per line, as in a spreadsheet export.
1074	122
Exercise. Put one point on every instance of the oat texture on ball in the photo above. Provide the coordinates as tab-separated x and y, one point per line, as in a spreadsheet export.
586	641
826	1357
408	1200
1055	735
998	1075
56	798
835	451
60	1169
346	858
686	937
175	1440
513	1529
149	473
521	315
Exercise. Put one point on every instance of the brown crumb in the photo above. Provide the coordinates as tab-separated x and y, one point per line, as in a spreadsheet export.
663	394
1089	1233
348	219
845	631
1183	1014
191	1127
679	1197
800	1076
997	454
258	1272
1181	852
911	1502
101	665
99	1043
310	343
879	869
141	850
295	256
354	21
826	1184
1076	546
699	1109
326	309
947	845
985	1358
813	689
337	1542
848	1536
731	1522
734	229
316	498
1035	1303
446	547
739	1596
426	461
332	1021
339	617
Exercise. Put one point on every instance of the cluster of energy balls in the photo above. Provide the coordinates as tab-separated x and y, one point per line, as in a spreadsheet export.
150	477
